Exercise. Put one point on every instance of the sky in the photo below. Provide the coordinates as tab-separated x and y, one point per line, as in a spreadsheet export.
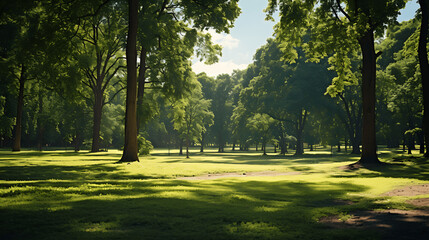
250	32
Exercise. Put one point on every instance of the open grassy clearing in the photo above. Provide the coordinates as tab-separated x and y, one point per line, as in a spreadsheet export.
54	195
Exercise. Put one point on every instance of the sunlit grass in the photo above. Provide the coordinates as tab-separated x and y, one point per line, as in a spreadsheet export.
57	194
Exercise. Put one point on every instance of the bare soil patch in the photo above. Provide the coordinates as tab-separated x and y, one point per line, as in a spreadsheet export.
392	224
235	174
420	202
409	191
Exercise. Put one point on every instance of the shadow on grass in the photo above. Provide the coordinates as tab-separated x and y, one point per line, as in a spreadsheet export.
253	159
227	210
86	172
399	167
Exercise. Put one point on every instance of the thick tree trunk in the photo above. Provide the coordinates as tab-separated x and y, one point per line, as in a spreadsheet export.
299	133
18	127
369	144
424	69
96	127
299	144
339	147
130	153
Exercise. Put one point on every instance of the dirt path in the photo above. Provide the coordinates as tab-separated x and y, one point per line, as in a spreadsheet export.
249	174
408	191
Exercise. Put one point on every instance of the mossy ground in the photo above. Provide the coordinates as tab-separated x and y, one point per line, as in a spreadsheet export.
67	195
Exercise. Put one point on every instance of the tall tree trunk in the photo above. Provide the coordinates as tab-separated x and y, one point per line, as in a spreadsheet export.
96	127
18	127
299	132
130	153
424	69
369	144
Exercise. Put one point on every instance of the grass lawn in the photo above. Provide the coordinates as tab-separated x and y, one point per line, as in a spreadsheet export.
67	195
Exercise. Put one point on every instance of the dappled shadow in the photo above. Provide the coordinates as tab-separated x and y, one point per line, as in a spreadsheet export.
413	168
155	210
87	172
393	224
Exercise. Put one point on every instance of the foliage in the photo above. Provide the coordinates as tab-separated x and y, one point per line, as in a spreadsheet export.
144	145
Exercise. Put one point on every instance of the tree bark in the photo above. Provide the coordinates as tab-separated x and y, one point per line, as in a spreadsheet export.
299	132
424	69
130	153
18	127
369	144
96	127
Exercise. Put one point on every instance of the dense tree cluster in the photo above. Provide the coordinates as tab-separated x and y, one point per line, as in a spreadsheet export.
337	73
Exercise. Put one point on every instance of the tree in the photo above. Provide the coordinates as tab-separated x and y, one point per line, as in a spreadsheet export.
261	125
191	115
424	68
130	153
100	59
222	109
340	26
286	92
186	15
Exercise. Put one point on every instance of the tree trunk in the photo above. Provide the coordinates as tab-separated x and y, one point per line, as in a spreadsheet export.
299	145
187	148
233	146
424	69
18	127
96	127
339	147
202	142
299	133
130	153
369	144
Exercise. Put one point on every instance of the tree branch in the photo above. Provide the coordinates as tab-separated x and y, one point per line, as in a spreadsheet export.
342	10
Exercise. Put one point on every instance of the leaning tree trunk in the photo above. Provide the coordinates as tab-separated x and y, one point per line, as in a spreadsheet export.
424	69
96	127
369	144
130	153
18	127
